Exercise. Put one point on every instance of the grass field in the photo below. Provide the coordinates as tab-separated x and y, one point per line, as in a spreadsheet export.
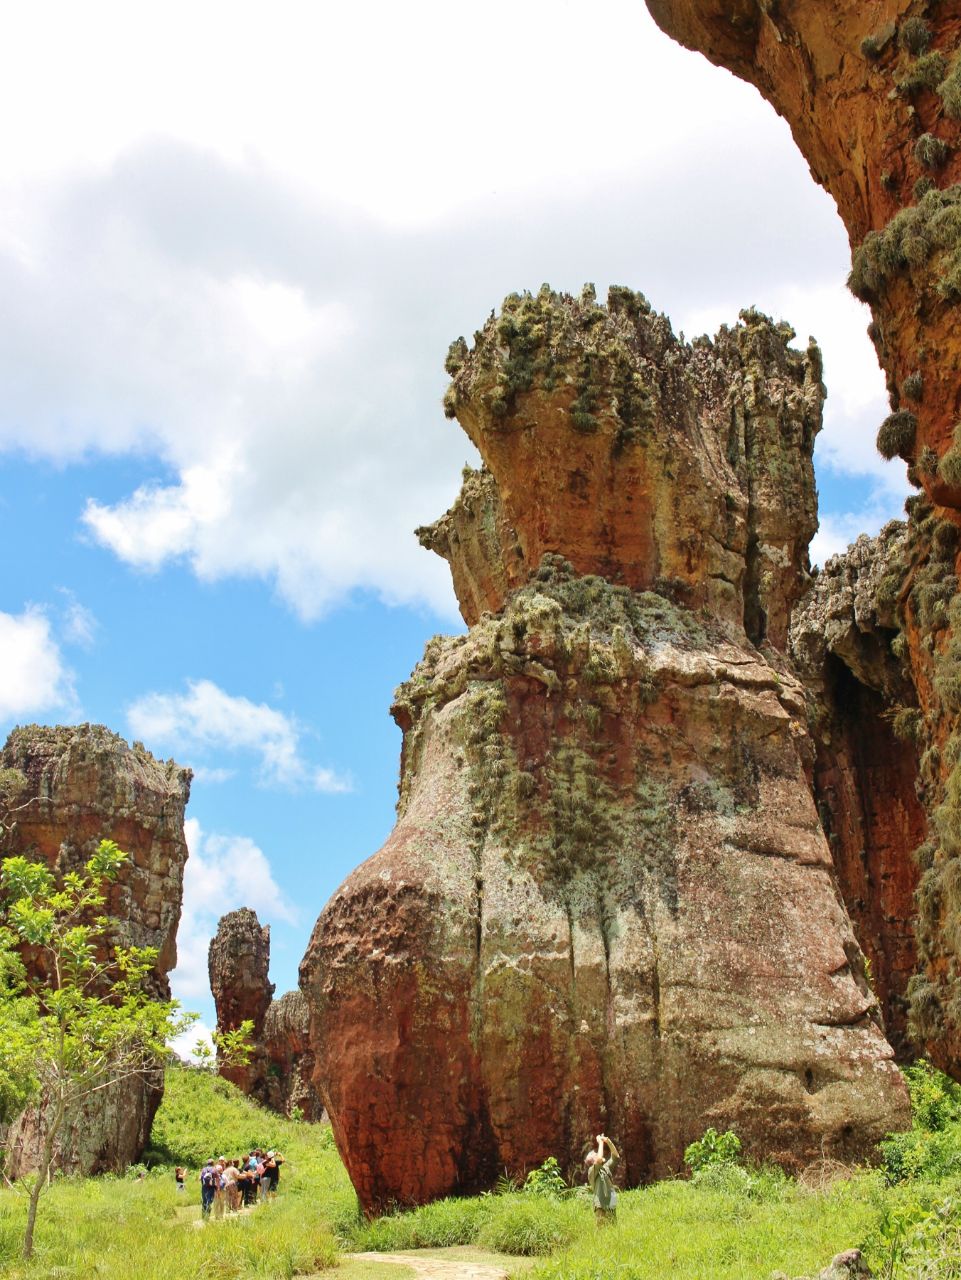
728	1223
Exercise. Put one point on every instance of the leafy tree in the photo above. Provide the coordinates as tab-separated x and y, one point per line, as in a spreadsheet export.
79	1018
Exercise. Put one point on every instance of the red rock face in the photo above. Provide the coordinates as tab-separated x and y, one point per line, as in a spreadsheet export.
278	1073
80	785
872	93
608	901
861	85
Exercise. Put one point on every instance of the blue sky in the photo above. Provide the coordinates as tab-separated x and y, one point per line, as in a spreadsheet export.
234	247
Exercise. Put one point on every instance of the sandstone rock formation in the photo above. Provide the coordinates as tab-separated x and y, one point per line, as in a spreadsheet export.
279	1071
608	901
872	93
68	788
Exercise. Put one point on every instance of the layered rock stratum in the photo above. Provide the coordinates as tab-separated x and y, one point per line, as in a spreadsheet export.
872	92
608	902
279	1071
64	789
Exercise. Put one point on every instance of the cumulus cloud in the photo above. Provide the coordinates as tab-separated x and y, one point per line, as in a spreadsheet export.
185	1044
207	718
33	675
223	872
270	337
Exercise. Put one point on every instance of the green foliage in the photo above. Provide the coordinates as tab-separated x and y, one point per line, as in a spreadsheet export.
713	1148
516	1223
896	434
203	1115
546	1180
931	1149
82	1016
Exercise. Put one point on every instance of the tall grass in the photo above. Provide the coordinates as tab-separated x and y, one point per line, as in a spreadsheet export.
145	1230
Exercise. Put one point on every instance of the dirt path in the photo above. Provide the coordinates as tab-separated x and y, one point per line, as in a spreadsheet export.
434	1268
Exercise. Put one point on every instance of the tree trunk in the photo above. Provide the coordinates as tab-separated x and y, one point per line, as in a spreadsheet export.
35	1193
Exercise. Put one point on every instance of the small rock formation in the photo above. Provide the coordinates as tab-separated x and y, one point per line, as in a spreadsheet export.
68	788
873	98
608	901
278	1074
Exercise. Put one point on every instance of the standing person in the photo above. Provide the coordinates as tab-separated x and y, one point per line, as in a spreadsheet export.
180	1173
220	1187
267	1177
278	1160
231	1175
208	1185
600	1179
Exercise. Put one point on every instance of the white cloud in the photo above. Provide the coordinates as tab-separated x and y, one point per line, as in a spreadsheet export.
222	874
211	776
79	623
184	1044
33	676
207	718
270	336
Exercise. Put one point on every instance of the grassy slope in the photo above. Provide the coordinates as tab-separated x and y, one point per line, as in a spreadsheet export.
728	1228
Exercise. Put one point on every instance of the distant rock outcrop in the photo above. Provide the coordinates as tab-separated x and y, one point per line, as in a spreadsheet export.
68	788
279	1071
608	901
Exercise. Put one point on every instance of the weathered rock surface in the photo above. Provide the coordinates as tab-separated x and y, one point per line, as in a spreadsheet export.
872	93
279	1071
866	766
76	786
608	901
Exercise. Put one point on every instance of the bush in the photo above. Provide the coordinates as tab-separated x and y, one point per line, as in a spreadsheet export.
930	151
713	1148
547	1180
927	73
931	1149
896	434
949	90
914	35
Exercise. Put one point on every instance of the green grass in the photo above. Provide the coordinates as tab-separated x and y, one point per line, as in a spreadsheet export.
728	1223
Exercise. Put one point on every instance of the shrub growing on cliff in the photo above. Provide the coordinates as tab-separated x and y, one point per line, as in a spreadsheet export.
914	35
896	434
926	73
82	1015
949	91
930	151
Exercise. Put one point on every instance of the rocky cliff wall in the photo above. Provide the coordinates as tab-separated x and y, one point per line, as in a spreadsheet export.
872	93
608	901
278	1073
75	786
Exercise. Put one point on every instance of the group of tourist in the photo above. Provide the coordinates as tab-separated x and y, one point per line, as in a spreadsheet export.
229	1185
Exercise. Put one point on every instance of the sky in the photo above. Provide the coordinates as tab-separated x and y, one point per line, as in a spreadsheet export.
235	243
